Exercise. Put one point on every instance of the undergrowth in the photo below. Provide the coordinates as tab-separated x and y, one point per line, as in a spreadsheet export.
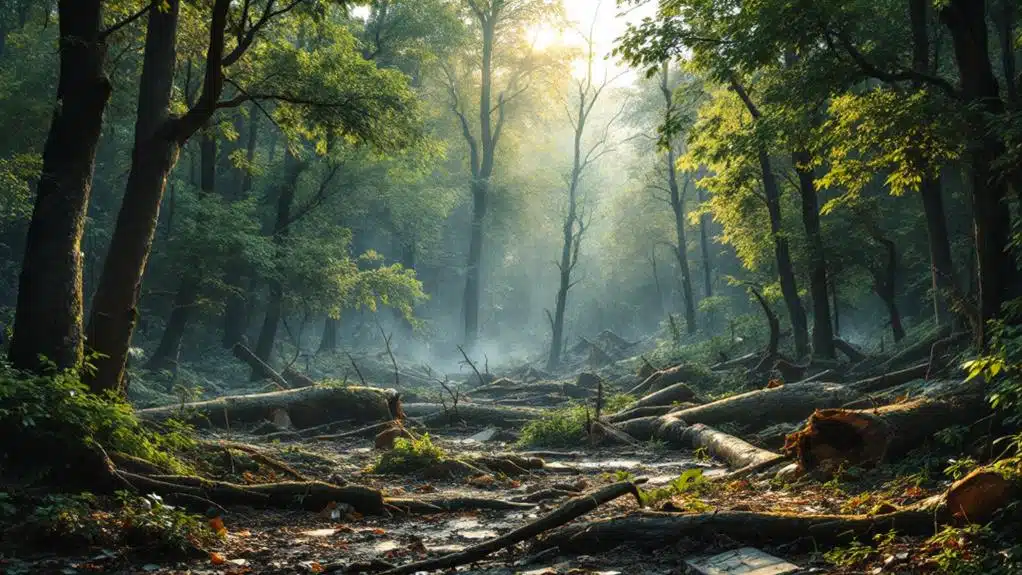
48	423
566	427
83	520
409	456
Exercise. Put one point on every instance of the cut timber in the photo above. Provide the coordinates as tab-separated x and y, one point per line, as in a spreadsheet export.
307	407
833	437
972	499
259	366
764	407
892	379
667	377
655	410
728	448
746	361
567	512
296	378
656	530
677	393
481	415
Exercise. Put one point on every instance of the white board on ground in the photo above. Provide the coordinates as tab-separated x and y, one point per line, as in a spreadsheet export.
744	561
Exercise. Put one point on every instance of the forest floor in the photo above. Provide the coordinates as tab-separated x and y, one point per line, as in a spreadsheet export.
672	482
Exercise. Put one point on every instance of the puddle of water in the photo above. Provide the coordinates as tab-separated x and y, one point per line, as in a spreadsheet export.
320	532
384	546
478	534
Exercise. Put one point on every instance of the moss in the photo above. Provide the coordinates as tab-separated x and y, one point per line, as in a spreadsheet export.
566	427
410	456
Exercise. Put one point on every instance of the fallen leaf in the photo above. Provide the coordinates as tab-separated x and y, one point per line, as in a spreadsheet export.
217	558
378	531
315	567
245	533
217	525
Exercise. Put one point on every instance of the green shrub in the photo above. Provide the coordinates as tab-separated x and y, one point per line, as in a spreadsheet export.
691	483
409	456
566	427
49	423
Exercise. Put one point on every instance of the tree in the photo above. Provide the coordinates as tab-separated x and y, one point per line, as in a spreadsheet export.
587	92
48	318
498	21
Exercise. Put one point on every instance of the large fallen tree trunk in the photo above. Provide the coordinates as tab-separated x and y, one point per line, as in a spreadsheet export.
745	361
482	415
677	393
835	437
765	407
567	512
915	352
892	379
307	407
973	499
736	452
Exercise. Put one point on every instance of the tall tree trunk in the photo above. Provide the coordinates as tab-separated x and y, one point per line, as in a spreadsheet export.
167	352
475	256
235	310
275	303
1005	26
941	268
158	141
48	316
885	285
837	309
113	309
681	251
704	247
823	333
328	342
997	272
782	252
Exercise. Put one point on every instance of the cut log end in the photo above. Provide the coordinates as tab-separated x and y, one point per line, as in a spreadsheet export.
835	437
978	496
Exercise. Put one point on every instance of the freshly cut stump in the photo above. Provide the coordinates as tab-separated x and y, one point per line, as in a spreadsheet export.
833	437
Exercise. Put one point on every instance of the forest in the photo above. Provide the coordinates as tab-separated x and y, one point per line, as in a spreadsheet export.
538	287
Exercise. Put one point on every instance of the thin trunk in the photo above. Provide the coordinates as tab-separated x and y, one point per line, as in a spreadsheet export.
885	285
681	251
782	252
48	317
941	268
275	304
158	140
997	272
837	309
167	352
823	334
704	246
1005	27
235	310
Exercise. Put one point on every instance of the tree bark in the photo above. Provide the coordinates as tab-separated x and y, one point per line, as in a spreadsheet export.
307	407
885	286
836	437
48	315
677	201
158	140
704	246
328	342
930	193
245	354
235	309
168	351
823	333
997	272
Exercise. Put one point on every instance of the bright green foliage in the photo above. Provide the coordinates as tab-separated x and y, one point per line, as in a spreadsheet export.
49	422
16	173
689	485
410	455
566	427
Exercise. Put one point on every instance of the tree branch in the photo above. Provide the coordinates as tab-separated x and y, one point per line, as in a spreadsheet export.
127	21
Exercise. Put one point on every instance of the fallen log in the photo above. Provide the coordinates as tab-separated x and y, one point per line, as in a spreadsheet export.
892	379
853	354
746	361
677	393
454	504
917	351
632	413
734	451
835	437
764	407
480	415
259	366
296	378
682	373
570	510
974	499
307	407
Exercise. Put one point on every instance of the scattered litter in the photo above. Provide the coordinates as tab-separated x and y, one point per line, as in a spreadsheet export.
744	561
